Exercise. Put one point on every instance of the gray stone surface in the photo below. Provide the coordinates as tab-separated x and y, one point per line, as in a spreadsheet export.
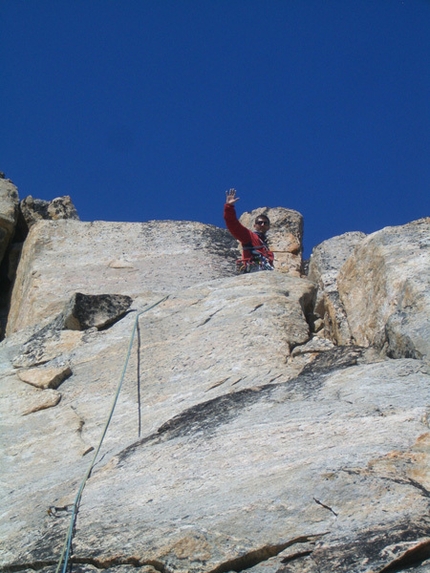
125	258
322	463
204	342
94	310
324	265
385	290
241	478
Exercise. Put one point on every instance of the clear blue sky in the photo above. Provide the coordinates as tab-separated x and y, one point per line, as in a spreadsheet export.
151	109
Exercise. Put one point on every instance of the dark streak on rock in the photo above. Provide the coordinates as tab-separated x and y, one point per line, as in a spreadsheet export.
256	556
324	506
208	318
219	242
419	486
275	378
411	558
76	563
407	481
312	377
349	554
207	416
399	480
337	358
296	556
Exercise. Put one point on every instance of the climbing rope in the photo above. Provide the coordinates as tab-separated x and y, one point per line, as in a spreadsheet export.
65	554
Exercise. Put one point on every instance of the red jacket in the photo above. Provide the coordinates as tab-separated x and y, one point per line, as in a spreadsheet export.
249	239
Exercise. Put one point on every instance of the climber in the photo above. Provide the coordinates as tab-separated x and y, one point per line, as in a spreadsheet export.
256	253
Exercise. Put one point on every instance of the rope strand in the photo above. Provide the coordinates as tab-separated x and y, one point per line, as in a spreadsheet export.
65	554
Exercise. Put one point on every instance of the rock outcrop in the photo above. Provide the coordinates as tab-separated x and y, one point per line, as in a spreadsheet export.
384	288
160	414
325	263
34	210
16	218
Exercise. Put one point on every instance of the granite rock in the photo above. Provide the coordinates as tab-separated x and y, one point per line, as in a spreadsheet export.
44	378
385	290
325	263
34	210
82	312
125	258
94	311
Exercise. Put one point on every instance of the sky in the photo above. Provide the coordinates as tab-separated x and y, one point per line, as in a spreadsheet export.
152	109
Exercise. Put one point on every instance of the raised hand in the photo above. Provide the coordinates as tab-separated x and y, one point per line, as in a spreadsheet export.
230	196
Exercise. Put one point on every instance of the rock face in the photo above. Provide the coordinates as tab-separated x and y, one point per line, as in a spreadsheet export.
192	420
325	263
15	219
384	288
122	258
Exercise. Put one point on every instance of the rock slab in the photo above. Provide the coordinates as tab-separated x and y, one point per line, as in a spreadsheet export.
125	258
45	378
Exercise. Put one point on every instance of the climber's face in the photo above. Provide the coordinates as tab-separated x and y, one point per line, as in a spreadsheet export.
262	225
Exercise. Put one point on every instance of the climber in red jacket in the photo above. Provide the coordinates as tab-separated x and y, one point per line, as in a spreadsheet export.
256	253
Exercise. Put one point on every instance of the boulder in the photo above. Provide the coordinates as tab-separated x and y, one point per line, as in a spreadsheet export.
385	290
285	236
67	256
9	203
325	263
99	311
44	378
34	210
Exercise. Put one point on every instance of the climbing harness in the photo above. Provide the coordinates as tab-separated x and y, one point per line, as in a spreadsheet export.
65	554
253	265
257	262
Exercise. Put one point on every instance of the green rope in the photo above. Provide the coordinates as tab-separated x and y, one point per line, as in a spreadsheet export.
65	554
